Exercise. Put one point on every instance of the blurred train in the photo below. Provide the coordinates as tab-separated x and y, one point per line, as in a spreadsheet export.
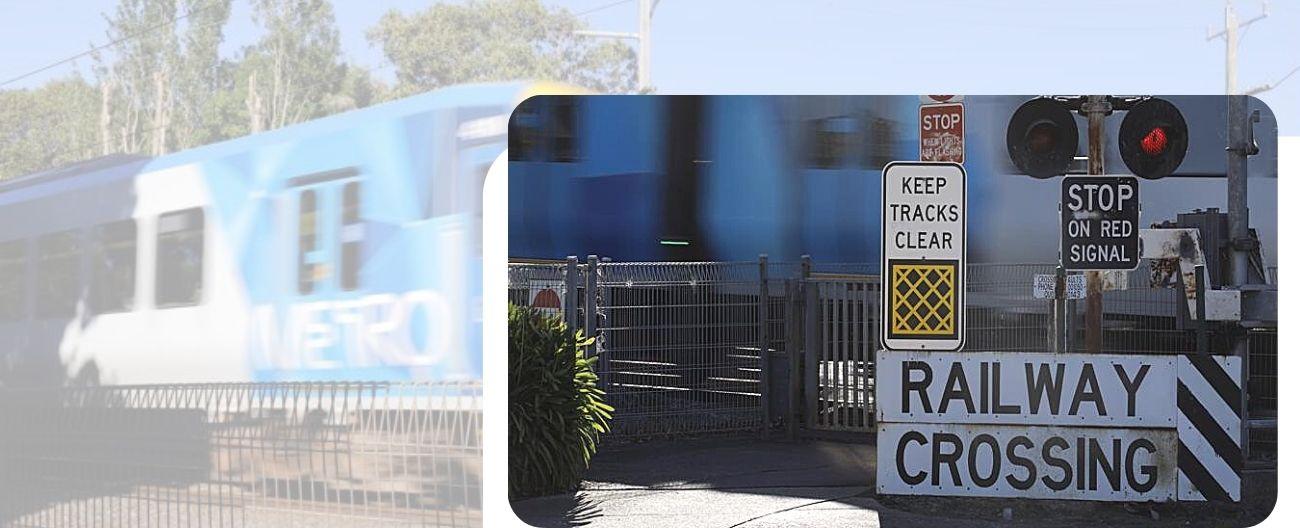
730	177
345	248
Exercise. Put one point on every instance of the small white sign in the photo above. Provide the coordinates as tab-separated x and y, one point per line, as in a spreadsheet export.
546	296
1076	286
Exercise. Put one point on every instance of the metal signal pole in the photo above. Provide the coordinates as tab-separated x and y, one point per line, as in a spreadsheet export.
1238	149
1240	145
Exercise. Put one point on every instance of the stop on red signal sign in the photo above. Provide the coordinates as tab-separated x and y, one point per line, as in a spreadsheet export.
943	133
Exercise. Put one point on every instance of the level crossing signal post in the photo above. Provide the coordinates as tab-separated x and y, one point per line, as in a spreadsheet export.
1042	139
997	424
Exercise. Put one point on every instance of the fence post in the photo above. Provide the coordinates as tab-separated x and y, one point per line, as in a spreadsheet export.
591	315
571	293
810	338
793	346
764	354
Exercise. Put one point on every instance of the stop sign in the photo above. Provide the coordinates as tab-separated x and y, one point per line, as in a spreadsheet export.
943	136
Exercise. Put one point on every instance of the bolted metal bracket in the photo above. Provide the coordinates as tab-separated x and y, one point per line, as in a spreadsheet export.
1244	244
1104	107
1250	147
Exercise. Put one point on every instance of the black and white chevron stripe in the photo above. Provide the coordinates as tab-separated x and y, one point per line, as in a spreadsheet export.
1209	428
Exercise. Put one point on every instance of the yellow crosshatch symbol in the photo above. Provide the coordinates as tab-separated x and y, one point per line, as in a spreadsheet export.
923	298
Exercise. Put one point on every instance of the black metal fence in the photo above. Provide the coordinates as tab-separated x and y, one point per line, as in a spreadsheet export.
388	454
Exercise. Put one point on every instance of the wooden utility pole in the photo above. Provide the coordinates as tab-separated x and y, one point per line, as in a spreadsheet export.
1096	108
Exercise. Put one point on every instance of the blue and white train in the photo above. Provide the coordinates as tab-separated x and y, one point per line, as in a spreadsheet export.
731	177
345	248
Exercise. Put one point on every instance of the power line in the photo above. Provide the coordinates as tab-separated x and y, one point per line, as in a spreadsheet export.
105	46
601	8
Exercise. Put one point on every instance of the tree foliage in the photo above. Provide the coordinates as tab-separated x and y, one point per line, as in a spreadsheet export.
164	84
295	71
48	126
201	75
495	40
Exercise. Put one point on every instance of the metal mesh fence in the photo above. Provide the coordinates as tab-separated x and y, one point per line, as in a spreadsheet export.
681	347
1261	391
1002	313
323	454
1005	316
527	281
683	344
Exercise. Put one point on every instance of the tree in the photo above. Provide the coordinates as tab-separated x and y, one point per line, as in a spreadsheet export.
136	85
47	126
292	73
497	40
156	85
201	75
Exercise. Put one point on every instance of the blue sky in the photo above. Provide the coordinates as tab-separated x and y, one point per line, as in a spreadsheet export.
839	46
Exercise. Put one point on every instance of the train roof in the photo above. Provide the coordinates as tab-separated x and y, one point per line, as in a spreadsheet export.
121	165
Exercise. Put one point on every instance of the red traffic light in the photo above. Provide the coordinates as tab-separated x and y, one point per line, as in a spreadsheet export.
1042	138
1153	138
1155	141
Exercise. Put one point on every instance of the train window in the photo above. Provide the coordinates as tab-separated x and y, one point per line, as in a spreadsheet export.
112	281
179	280
831	142
351	234
58	274
13	283
880	149
563	129
306	241
545	129
525	130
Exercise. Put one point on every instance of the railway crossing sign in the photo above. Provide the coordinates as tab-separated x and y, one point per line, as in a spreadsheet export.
943	136
923	256
1059	426
1099	223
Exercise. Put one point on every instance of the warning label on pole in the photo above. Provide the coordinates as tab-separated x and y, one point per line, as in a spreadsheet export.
924	255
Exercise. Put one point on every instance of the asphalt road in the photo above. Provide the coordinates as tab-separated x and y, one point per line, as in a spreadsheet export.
736	482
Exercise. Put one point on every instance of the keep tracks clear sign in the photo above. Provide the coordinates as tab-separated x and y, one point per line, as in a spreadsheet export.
923	251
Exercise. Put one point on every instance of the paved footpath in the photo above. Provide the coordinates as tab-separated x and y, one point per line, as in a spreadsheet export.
736	482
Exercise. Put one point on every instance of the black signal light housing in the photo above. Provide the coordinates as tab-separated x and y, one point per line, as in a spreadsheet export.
1042	138
1153	138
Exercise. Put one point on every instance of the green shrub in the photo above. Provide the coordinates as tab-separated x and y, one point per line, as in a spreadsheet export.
556	412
